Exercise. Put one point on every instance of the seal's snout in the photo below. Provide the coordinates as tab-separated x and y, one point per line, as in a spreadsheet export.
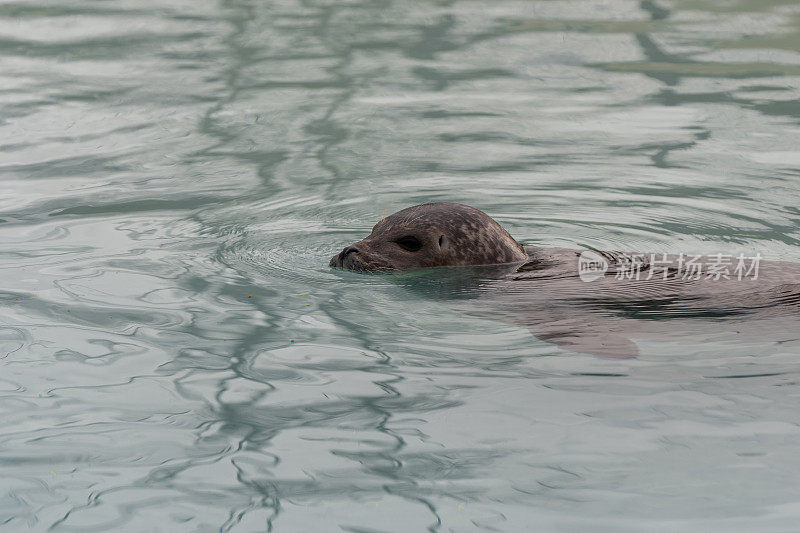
340	260
347	251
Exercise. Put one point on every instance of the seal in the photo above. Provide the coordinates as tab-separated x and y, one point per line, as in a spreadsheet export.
432	235
597	311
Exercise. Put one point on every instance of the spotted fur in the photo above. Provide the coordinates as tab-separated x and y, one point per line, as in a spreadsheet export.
449	234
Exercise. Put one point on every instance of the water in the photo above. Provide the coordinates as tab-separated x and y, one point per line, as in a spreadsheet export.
177	356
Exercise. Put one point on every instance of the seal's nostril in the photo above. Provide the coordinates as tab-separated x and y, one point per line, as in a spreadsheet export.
347	251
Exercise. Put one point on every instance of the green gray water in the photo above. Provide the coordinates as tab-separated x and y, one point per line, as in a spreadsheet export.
177	356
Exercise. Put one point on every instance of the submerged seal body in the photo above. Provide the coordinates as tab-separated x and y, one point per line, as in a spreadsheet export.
432	235
541	288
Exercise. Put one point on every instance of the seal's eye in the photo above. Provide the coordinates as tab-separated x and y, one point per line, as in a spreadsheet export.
409	243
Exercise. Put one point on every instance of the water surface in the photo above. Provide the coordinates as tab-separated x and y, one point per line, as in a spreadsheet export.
176	354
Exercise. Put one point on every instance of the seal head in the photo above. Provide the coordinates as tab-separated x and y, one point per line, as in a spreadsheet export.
432	235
